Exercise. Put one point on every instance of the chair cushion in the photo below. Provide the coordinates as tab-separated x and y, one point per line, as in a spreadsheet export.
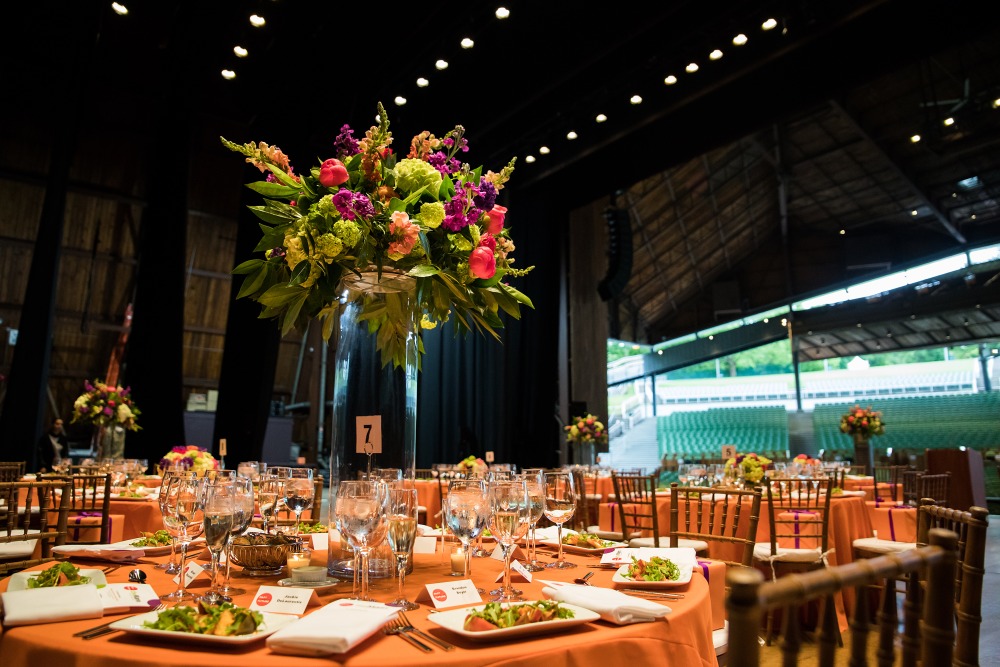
875	545
606	534
720	639
697	545
763	552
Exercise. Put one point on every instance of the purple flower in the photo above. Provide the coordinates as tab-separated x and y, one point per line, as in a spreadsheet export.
486	197
352	205
345	144
107	411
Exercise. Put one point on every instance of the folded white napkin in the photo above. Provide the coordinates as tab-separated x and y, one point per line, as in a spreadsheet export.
613	606
100	552
50	605
18	550
848	493
336	628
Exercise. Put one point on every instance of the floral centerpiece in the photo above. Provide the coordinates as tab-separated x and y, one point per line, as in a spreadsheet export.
586	429
806	460
864	422
428	217
749	467
472	465
104	405
189	457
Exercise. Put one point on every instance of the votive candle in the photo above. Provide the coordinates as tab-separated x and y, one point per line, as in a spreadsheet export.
297	559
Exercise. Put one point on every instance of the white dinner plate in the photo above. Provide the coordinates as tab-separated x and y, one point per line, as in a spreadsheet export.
131	499
589	551
454	620
153	551
684	564
19	580
134	625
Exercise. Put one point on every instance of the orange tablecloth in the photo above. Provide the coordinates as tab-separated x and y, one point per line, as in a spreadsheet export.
683	638
429	496
867	484
139	516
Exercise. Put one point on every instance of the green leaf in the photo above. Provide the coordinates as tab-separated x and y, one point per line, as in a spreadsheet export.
424	271
516	294
283	177
506	302
489	282
268	214
280	295
248	266
300	272
273	189
253	283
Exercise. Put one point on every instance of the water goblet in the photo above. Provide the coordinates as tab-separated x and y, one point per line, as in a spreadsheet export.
298	493
217	505
269	489
242	516
402	518
171	526
249	469
361	518
186	514
560	505
535	479
466	513
510	516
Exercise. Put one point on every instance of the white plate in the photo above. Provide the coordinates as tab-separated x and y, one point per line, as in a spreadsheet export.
19	580
685	576
326	583
126	545
454	620
130	499
133	624
589	551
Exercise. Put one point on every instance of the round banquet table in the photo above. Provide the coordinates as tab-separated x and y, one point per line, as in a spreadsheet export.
140	514
682	638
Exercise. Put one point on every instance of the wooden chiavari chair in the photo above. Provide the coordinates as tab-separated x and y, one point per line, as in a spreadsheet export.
12	471
724	516
23	524
636	498
928	635
90	498
936	487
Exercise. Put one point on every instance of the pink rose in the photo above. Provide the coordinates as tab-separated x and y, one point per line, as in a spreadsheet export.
487	240
333	172
496	219
482	264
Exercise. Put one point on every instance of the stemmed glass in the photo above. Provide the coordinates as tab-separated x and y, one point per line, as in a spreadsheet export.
217	503
171	566
269	489
466	512
299	493
361	518
510	516
402	513
560	505
186	515
535	480
242	516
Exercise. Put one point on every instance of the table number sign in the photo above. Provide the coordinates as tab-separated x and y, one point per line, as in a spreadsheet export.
729	451
369	434
450	594
489	457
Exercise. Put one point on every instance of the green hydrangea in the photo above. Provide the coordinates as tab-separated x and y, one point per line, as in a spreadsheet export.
329	247
431	214
294	252
325	207
460	243
348	232
411	175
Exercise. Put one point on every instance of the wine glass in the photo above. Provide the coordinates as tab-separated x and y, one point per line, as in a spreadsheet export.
242	516
535	479
402	513
249	469
466	512
269	489
298	494
361	518
560	505
171	526
510	516
186	514
217	505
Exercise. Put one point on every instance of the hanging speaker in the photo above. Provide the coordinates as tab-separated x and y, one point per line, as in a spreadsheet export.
619	253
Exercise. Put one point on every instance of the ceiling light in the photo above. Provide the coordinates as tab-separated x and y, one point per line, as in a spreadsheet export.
228	74
529	159
973	216
571	135
257	21
441	64
422	82
970	183
996	103
119	8
635	99
600	118
913	212
766	320
915	138
400	100
711	337
740	40
843	232
691	68
659	351
949	121
670	80
240	52
769	24
544	150
715	55
954	195
467	43
502	13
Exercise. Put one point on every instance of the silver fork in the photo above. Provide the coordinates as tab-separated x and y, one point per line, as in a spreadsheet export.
395	627
106	629
408	627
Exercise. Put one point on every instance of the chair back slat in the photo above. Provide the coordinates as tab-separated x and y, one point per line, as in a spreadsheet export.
636	498
725	516
932	643
21	520
935	486
11	471
790	502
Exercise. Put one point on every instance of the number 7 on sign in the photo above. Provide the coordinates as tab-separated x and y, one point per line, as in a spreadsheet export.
369	430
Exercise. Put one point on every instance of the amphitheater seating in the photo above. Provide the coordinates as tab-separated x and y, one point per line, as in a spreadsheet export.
697	434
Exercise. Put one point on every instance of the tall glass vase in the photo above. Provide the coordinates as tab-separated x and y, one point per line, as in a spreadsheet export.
863	453
374	420
109	441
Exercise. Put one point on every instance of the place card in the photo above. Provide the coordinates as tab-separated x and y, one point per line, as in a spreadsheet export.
320	541
517	573
450	594
283	600
191	572
425	545
497	553
123	597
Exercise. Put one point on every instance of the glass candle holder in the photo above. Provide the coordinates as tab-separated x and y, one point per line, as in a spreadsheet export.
298	559
457	561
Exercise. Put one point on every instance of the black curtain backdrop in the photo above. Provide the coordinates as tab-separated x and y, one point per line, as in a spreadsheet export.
477	394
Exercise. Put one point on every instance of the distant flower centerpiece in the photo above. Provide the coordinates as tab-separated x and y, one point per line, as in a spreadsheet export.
106	405
427	218
749	467
189	457
586	429
472	465
863	422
